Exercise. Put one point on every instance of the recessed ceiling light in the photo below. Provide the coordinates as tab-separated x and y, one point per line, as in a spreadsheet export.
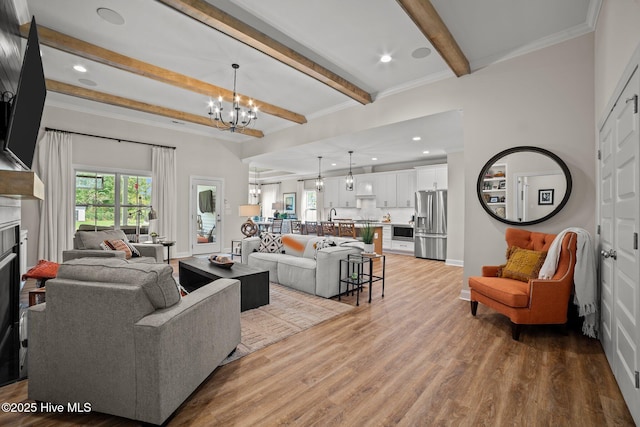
111	16
416	138
385	58
79	68
374	158
425	152
421	52
333	164
88	82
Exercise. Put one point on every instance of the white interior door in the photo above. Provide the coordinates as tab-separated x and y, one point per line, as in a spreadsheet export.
207	206
620	224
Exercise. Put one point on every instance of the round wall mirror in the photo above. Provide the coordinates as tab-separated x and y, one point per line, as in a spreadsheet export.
524	185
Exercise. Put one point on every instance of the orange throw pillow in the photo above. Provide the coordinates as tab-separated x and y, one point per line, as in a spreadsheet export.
43	270
524	264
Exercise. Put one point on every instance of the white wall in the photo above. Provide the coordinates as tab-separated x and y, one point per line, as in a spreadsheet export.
455	208
196	155
617	36
544	99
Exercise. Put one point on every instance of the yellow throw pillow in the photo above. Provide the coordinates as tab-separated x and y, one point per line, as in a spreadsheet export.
523	264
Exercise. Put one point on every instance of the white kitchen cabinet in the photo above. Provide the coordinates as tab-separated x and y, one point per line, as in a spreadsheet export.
384	188
331	193
402	246
386	237
405	189
432	177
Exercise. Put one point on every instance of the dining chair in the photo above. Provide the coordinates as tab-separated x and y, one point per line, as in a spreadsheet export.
296	227
276	226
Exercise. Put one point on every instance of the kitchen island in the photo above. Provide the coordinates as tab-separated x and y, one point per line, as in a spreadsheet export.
377	239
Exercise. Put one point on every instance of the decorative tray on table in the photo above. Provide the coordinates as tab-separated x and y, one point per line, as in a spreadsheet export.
221	261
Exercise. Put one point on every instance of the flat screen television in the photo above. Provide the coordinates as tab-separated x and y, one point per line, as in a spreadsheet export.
24	110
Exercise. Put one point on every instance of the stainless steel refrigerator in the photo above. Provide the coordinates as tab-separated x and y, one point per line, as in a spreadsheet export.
431	224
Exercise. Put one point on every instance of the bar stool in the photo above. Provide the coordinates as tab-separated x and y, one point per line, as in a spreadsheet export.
310	227
347	229
328	228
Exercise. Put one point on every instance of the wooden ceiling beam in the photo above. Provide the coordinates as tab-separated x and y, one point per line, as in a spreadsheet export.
98	54
219	20
118	101
427	19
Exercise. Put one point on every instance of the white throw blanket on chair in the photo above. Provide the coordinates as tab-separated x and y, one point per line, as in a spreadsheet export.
584	277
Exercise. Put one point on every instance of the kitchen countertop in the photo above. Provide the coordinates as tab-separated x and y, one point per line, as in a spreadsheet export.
375	223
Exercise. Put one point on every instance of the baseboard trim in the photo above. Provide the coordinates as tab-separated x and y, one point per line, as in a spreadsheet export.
178	254
465	294
454	262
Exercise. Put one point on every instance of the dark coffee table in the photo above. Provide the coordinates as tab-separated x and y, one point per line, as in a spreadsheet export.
254	283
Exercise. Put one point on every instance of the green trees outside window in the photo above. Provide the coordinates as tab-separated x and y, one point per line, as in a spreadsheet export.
116	200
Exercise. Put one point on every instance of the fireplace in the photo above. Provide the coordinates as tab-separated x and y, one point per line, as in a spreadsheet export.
9	305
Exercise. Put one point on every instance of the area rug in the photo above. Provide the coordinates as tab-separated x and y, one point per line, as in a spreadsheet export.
288	312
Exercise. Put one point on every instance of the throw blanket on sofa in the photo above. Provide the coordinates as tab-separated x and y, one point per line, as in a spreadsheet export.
584	277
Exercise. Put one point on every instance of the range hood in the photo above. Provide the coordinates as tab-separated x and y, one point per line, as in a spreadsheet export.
364	190
21	185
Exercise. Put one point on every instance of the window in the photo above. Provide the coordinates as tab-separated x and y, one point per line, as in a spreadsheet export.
309	202
113	200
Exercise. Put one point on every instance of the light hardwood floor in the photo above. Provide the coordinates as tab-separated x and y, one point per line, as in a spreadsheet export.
416	357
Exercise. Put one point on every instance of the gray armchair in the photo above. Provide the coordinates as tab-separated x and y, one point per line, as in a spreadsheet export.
87	244
118	335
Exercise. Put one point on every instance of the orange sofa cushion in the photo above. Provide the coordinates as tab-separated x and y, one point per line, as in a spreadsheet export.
510	292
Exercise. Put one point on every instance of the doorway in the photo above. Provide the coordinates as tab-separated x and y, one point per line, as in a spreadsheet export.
206	207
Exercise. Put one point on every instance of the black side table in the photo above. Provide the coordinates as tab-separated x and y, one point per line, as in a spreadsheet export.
167	244
359	271
236	248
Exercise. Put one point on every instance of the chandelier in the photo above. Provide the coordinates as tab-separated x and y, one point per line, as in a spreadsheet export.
348	181
238	118
319	181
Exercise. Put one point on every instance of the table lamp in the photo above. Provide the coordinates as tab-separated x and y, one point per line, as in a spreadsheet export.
153	222
249	228
275	206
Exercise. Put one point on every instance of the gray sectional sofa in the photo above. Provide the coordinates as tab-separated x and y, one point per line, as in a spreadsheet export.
87	244
119	336
299	264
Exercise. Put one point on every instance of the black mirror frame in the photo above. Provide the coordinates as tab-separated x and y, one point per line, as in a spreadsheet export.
520	149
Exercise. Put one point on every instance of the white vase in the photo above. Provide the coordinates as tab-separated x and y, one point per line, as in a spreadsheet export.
368	248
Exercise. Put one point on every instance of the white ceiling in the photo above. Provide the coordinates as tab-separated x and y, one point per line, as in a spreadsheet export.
345	36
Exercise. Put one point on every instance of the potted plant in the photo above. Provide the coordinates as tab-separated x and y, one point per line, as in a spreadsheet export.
367	233
154	237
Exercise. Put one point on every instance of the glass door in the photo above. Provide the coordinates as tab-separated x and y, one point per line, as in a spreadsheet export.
206	219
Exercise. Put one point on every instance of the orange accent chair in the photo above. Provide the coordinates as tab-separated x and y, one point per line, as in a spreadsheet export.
539	301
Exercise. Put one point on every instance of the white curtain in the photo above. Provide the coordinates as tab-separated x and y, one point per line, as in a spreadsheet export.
57	212
301	200
269	196
163	190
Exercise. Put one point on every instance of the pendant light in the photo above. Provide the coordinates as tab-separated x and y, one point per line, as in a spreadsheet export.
348	181
319	181
254	189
